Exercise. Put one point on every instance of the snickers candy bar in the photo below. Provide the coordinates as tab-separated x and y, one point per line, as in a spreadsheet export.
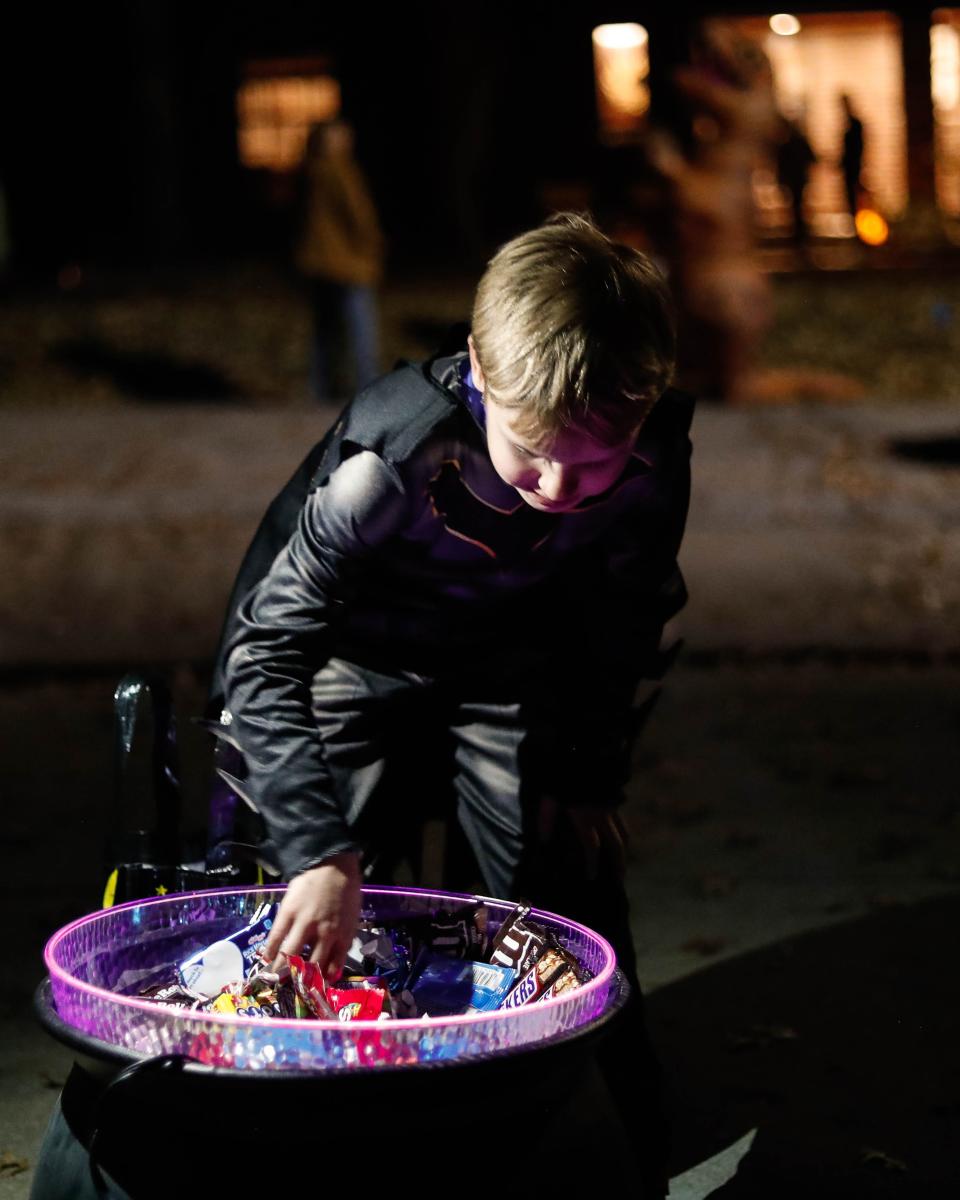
548	972
565	981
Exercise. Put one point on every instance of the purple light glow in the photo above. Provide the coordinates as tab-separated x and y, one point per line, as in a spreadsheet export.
112	941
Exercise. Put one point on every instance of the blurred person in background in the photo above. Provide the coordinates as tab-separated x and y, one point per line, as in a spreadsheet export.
339	251
851	161
725	90
794	160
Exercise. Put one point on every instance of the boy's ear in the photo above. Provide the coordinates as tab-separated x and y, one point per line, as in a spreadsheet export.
475	368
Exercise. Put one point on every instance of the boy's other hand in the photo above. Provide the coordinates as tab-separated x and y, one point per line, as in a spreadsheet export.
601	833
321	909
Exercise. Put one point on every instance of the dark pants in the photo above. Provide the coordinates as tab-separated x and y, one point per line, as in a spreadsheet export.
397	743
345	350
851	186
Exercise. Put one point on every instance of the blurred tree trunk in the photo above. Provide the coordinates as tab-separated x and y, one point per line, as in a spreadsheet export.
918	102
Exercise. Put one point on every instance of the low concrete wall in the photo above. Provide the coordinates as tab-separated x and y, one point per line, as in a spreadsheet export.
121	529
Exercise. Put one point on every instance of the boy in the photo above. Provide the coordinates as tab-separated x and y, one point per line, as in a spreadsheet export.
486	552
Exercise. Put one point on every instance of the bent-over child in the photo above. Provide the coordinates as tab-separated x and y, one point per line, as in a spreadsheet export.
475	566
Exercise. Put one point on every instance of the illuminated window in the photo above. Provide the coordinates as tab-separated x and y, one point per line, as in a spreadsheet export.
621	64
945	92
828	56
276	105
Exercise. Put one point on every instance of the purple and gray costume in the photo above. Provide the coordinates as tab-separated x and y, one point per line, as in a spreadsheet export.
399	562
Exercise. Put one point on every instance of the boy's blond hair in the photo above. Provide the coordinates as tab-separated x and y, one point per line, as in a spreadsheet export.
572	328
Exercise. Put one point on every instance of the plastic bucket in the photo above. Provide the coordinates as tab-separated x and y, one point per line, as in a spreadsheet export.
171	1099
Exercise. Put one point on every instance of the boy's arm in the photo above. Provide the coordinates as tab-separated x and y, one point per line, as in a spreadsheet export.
282	637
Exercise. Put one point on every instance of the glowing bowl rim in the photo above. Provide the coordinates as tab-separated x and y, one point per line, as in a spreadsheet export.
149	1008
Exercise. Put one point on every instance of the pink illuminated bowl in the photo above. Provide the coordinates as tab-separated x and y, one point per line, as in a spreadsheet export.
95	964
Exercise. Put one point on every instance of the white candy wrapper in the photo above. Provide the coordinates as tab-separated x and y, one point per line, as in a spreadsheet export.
230	959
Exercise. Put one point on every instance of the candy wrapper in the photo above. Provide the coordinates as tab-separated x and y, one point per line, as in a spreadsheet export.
519	942
261	981
235	1005
565	980
385	953
230	959
310	990
442	986
555	971
461	933
175	995
359	1003
449	976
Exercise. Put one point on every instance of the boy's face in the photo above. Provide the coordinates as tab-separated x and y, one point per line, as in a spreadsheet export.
554	475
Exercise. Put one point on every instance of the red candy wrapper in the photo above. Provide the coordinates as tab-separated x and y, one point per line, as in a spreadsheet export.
307	980
358	1003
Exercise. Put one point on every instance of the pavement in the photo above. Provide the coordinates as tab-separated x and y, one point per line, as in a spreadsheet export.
793	810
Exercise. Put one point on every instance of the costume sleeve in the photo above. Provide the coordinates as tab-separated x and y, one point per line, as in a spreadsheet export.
282	638
626	595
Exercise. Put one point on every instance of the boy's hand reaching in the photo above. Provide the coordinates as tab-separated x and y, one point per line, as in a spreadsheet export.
320	909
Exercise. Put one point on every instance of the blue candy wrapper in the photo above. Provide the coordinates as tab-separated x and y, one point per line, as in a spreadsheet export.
444	986
231	959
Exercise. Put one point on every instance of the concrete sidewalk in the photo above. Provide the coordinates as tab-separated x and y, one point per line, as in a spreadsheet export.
124	528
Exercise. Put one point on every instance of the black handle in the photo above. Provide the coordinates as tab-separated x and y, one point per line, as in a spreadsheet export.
119	1097
158	845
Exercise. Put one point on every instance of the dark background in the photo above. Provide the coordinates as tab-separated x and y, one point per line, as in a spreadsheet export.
119	130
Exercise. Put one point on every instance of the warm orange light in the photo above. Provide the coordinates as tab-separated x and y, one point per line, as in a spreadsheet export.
945	66
626	36
621	65
786	24
275	114
871	227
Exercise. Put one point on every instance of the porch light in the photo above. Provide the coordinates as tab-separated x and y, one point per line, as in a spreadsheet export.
786	24
872	229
